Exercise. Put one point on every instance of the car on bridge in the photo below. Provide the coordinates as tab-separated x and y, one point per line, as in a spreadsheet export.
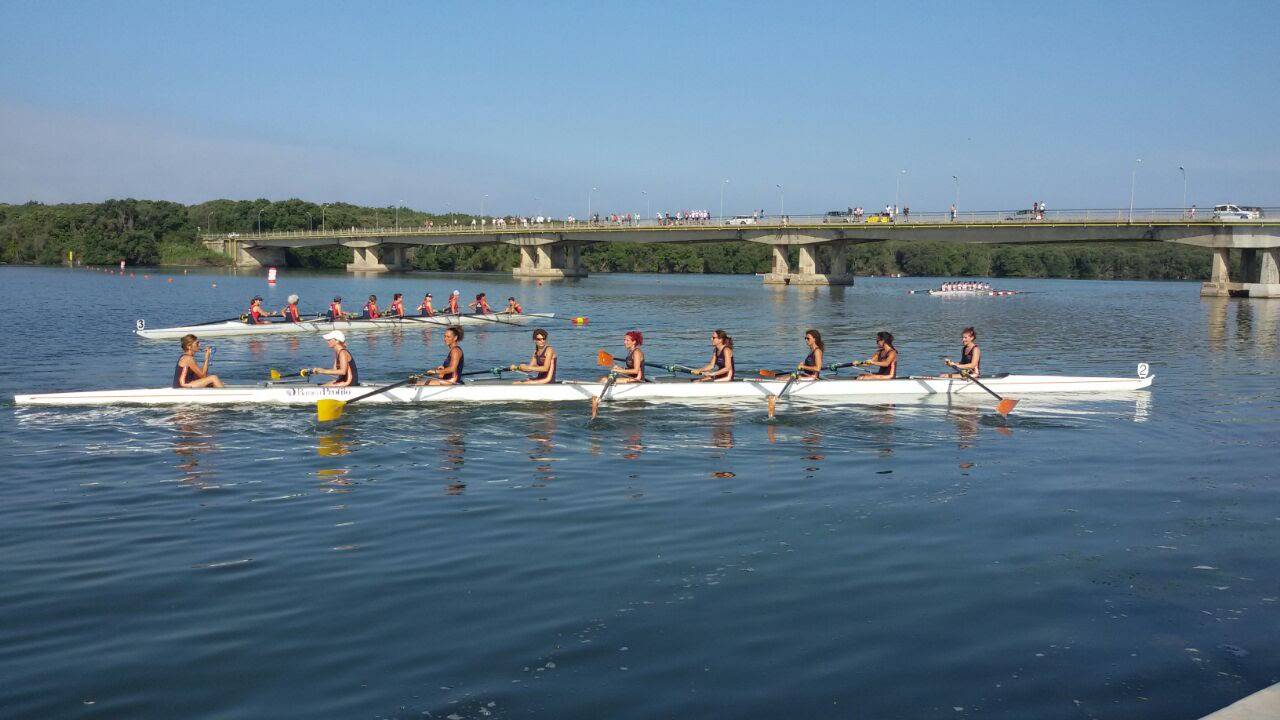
1022	216
740	220
1236	212
838	216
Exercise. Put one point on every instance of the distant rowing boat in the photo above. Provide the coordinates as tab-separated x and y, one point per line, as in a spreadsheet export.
972	290
231	328
840	390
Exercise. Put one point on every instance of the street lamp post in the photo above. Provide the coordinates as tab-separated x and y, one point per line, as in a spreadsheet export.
645	193
260	220
310	223
726	182
782	201
589	194
1183	170
1133	183
398	215
957	202
897	193
482	201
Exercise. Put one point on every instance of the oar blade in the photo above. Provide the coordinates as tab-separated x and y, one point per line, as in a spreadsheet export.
604	359
773	403
768	374
328	409
1006	406
275	374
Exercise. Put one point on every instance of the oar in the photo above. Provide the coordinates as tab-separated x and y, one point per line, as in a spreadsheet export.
595	401
329	409
604	359
481	316
276	375
773	399
1004	407
215	322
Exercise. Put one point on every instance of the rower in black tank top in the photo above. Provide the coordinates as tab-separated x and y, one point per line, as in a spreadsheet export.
352	372
461	362
882	356
179	374
809	361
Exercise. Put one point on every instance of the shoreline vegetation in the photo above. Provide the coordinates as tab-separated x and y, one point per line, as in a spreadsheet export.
155	232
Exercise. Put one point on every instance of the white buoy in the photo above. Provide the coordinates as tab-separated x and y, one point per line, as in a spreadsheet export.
271	276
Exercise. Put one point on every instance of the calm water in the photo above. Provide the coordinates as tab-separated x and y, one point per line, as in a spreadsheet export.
1110	558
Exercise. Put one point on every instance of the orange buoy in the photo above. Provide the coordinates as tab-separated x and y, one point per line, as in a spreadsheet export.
170	280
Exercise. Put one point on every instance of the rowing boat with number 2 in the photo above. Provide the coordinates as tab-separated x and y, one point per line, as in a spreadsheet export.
232	328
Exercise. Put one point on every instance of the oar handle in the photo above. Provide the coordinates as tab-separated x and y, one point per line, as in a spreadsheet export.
670	368
491	371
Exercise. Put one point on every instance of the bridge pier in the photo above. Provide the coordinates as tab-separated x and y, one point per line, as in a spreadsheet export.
824	263
378	258
257	257
1259	274
550	261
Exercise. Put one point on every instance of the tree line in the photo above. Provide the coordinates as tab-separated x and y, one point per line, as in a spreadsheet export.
153	232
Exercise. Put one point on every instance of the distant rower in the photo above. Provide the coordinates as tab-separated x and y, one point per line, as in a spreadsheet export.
424	308
189	373
811	368
344	365
543	362
335	309
481	305
632	369
257	316
720	368
513	307
290	312
396	307
371	308
449	372
453	303
970	356
885	359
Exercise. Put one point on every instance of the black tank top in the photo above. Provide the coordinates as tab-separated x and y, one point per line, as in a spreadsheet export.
461	361
179	373
882	356
966	355
552	372
809	360
352	371
720	362
633	365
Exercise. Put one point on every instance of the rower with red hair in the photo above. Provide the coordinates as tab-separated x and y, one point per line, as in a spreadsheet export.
633	369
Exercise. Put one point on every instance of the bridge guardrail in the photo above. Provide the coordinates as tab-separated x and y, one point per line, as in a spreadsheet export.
1120	216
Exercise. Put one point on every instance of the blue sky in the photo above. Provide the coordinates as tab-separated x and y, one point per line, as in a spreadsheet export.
437	105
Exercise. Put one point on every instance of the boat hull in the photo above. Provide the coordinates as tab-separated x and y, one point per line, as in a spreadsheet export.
839	390
233	328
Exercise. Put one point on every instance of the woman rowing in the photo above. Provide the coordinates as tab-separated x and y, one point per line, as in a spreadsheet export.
513	307
290	311
453	303
811	367
885	359
448	372
344	370
542	363
189	373
632	369
396	308
424	308
970	364
257	316
481	305
720	368
371	308
335	309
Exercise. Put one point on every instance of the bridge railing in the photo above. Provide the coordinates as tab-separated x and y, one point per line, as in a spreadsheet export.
1121	216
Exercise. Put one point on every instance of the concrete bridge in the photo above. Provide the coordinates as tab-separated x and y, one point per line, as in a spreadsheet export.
550	249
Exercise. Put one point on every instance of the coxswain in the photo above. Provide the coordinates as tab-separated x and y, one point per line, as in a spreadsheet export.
885	359
448	372
371	308
542	363
513	307
344	370
720	368
424	308
189	373
811	368
480	306
335	309
632	369
970	364
290	311
256	315
396	307
453	303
